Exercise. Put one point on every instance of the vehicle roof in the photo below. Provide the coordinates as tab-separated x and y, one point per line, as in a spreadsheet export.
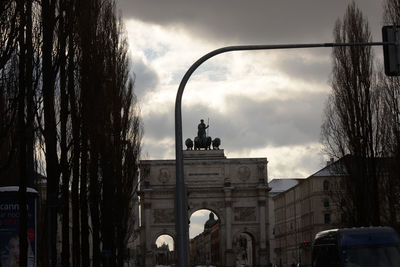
358	236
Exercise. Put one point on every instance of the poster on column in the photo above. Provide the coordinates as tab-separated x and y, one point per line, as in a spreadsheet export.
9	228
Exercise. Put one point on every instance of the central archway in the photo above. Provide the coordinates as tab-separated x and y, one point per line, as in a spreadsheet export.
204	238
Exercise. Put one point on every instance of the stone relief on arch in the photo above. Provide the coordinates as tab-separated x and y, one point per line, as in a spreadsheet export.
244	173
244	214
164	175
164	215
262	174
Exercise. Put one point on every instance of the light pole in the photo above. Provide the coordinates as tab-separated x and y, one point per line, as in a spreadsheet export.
180	199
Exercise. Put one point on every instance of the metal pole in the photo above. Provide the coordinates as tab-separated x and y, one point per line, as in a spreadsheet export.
180	203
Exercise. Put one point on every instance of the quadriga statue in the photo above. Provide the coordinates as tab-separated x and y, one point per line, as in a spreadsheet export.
202	140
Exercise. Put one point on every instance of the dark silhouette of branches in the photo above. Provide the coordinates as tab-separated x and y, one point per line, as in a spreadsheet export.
68	111
349	126
389	128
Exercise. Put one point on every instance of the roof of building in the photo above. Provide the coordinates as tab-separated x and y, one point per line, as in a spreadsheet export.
281	185
333	168
338	167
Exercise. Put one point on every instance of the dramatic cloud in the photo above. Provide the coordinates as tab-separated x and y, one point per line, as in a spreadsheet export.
256	21
146	78
260	103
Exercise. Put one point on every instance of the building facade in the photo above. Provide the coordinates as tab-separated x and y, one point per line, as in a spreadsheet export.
301	212
277	186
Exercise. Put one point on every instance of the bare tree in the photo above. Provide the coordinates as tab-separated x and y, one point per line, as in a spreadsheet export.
349	127
389	128
116	126
48	20
8	31
22	158
64	69
8	90
62	34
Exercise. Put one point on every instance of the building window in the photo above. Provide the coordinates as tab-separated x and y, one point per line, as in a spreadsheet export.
327	218
342	184
326	203
326	185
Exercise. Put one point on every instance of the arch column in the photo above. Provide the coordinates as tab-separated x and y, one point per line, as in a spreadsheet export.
263	251
229	255
147	216
147	226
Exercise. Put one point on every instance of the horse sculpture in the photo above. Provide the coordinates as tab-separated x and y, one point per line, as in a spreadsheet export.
202	143
216	143
189	144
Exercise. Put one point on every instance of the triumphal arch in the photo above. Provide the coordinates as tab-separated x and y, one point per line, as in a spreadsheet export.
235	189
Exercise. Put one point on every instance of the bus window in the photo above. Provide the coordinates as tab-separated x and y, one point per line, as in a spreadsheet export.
372	256
325	256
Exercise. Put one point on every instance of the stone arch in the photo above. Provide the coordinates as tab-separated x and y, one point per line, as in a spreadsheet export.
206	238
245	231
164	232
219	214
215	183
216	205
244	248
164	255
250	232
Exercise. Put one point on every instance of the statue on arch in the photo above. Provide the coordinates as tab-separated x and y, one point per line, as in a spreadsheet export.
202	140
201	129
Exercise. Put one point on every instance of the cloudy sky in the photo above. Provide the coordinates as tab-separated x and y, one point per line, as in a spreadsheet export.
260	103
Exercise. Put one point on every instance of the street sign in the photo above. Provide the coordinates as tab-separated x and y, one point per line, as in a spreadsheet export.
391	53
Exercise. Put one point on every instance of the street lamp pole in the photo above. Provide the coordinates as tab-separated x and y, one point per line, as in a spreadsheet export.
180	199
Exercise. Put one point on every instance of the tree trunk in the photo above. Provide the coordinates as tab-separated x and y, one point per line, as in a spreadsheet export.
84	199
50	127
94	204
23	221
64	166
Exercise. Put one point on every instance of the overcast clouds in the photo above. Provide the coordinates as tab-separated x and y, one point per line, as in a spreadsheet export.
260	103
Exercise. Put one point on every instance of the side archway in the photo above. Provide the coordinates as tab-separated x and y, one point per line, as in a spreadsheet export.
164	250
244	249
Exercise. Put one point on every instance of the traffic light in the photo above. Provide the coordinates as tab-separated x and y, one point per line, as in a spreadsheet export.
391	52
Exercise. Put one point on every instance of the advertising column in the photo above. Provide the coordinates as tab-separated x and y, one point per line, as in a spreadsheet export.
9	226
